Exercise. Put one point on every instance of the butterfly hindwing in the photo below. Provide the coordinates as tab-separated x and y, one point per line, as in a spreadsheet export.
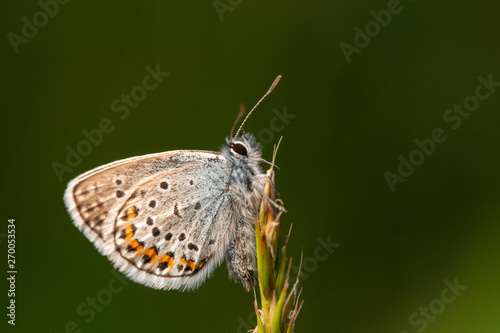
168	240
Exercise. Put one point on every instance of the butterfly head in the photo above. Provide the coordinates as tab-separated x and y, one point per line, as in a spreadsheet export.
243	148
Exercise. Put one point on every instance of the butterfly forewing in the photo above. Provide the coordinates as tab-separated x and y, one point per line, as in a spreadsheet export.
141	222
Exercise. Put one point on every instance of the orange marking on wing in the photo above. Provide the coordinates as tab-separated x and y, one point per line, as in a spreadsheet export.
183	261
166	258
129	232
200	264
131	213
135	244
150	253
190	263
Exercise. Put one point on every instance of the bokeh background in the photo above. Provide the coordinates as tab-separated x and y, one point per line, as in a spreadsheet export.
390	252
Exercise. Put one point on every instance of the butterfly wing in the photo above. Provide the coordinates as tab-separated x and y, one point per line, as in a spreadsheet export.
162	219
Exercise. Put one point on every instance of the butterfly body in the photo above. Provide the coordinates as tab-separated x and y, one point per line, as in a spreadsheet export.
168	220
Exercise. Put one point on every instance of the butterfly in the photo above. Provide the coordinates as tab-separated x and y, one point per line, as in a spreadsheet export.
167	220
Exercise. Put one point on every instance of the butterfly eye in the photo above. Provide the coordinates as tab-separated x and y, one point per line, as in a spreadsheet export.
239	149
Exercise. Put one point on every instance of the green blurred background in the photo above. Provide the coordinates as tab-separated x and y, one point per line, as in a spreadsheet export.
392	250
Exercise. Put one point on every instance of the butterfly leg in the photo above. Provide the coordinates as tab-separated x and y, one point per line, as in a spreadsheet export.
265	176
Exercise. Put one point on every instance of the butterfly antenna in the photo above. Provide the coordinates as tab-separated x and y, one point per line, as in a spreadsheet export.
238	117
275	83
